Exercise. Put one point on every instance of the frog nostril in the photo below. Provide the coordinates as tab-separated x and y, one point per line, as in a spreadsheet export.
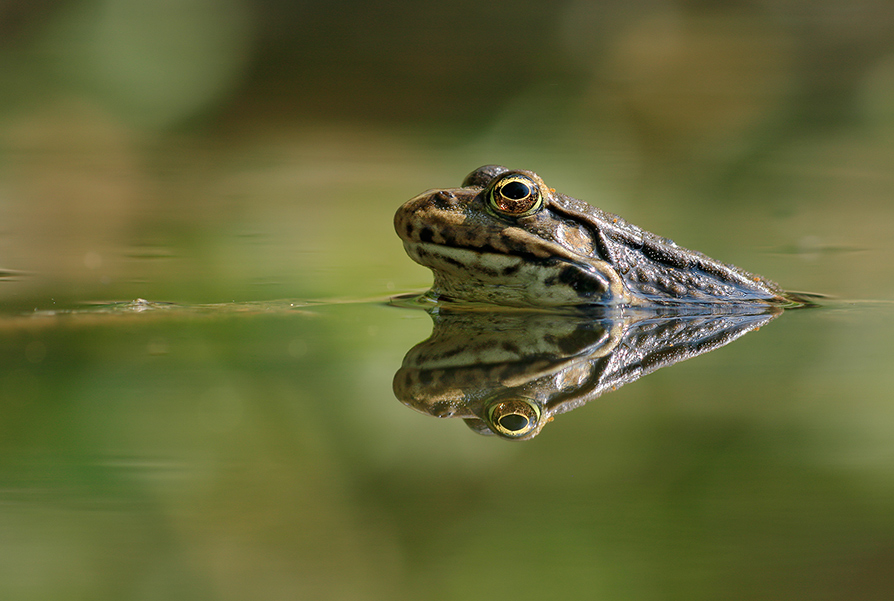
445	198
443	409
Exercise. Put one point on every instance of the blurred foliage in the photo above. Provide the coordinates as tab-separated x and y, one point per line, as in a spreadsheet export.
257	142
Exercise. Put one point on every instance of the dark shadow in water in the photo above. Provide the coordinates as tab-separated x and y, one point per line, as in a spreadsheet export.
13	275
509	373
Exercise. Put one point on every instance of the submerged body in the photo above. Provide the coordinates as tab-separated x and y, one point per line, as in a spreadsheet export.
505	238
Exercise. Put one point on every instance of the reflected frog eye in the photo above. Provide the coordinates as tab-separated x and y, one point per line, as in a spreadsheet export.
515	195
513	418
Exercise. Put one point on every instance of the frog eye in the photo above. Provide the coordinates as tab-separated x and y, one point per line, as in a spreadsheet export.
515	195
513	418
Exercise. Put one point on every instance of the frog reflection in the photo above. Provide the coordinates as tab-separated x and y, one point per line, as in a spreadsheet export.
510	373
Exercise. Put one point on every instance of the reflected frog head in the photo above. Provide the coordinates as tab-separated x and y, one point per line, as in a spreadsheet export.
510	373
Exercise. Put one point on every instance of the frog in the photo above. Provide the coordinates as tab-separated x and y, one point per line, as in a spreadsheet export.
506	238
509	373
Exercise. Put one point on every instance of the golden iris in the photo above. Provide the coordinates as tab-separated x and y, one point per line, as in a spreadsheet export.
514	417
515	195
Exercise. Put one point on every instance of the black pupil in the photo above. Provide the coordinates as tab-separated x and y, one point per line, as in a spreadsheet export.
515	190
513	422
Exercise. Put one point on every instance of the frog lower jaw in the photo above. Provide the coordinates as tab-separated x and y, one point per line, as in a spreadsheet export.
462	274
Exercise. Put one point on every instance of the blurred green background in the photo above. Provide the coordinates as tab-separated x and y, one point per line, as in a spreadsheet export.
209	151
263	143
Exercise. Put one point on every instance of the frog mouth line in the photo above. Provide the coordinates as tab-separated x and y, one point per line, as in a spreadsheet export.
483	249
568	279
476	258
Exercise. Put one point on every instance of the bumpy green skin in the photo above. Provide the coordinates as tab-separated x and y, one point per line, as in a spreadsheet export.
565	253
